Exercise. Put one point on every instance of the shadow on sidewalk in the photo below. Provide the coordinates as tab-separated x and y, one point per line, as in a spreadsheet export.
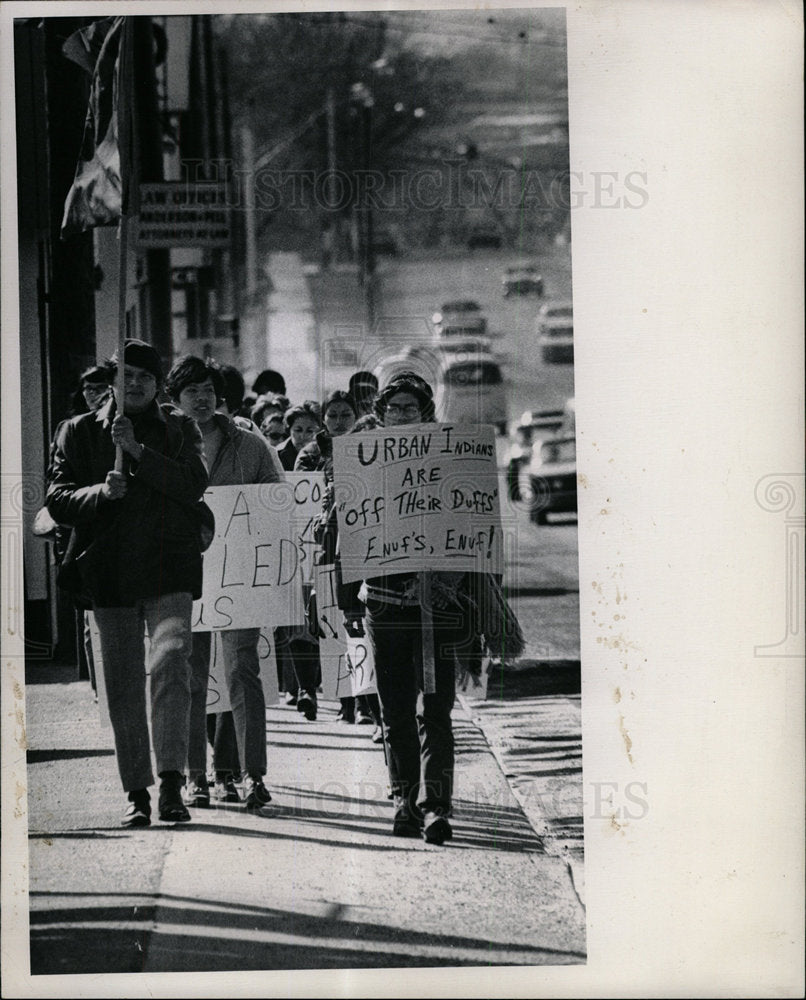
94	934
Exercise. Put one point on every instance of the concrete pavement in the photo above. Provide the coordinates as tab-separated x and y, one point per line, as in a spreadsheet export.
313	881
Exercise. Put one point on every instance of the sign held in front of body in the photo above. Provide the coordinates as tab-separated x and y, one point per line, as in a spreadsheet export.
419	497
262	553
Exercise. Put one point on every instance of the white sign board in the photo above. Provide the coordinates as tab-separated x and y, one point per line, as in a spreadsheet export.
348	667
419	497
262	553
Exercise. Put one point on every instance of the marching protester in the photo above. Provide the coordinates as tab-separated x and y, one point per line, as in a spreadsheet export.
339	413
298	664
363	387
302	423
93	391
419	732
234	457
135	556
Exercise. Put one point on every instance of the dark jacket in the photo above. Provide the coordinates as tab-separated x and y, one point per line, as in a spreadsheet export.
317	456
287	453
148	542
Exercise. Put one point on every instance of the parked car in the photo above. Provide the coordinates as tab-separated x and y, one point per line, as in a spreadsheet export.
532	424
549	480
523	278
460	318
556	309
555	331
557	341
484	237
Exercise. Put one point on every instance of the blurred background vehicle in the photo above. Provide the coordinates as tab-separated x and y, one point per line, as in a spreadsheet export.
532	424
522	278
549	480
555	331
472	390
459	318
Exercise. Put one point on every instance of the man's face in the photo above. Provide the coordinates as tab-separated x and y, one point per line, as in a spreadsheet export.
403	408
198	400
140	387
95	394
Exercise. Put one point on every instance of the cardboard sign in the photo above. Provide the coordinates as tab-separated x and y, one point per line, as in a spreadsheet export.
262	554
348	667
418	497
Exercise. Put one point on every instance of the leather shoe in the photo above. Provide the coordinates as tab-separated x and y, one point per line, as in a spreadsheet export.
172	808
436	828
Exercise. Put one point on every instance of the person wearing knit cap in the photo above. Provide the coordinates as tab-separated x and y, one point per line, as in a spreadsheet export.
135	557
419	732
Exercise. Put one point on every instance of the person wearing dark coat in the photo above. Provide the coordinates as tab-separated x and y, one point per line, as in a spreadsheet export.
136	555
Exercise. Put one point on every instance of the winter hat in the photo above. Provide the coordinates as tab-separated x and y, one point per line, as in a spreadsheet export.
411	383
141	355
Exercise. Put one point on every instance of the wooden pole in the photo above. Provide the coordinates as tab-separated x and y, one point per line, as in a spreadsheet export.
120	377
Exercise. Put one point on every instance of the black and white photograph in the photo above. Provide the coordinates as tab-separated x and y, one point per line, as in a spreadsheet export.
402	499
321	738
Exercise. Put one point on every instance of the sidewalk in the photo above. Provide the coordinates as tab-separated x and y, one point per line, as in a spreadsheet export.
314	881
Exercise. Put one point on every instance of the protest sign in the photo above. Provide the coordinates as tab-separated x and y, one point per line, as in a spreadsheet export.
348	667
261	555
418	497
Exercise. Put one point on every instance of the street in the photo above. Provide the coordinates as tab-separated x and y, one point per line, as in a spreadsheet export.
542	568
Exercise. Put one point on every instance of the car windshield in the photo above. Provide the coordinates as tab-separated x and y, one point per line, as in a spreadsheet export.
473	373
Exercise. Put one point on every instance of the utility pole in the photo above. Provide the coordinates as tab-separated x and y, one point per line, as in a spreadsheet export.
363	97
248	151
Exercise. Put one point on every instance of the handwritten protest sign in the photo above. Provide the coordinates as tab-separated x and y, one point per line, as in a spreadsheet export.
348	667
262	553
419	497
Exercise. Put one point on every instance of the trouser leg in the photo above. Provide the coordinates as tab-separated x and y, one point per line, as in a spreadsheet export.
394	634
168	620
242	670
434	718
199	674
122	637
225	745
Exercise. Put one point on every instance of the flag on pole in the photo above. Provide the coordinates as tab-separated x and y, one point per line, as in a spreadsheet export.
105	184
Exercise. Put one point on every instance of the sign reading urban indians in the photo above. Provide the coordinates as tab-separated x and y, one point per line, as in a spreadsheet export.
348	665
262	553
418	497
179	214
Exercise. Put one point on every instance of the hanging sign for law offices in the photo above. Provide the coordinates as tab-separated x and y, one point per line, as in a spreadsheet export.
418	497
183	214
